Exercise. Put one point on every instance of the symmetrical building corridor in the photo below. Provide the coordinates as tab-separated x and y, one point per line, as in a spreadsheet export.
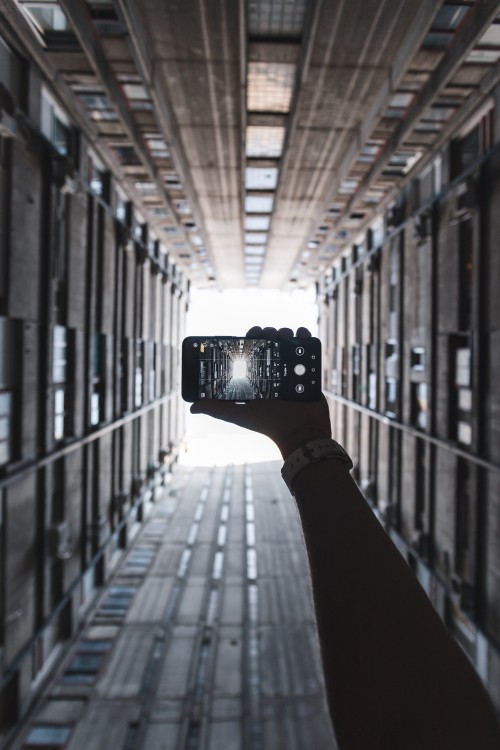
151	150
204	637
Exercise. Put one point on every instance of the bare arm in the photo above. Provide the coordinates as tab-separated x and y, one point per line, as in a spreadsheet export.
395	677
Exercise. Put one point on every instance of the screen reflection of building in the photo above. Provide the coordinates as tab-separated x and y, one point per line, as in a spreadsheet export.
239	369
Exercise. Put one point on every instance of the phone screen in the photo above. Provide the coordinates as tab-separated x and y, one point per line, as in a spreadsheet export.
244	369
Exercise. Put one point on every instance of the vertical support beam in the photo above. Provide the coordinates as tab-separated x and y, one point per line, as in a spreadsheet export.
433	378
483	391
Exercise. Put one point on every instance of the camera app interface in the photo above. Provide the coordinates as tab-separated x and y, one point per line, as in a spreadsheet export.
239	369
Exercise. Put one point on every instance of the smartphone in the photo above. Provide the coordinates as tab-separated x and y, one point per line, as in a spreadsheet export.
233	368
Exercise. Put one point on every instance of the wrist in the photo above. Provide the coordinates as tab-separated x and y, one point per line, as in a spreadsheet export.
299	439
313	452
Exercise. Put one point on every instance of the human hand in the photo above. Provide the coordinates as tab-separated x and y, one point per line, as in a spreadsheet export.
289	424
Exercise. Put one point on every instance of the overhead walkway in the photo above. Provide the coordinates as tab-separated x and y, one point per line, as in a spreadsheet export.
204	637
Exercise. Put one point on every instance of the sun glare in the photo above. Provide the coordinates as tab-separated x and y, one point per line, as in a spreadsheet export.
239	368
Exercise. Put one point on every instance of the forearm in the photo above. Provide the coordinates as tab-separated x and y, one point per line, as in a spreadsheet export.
393	673
395	678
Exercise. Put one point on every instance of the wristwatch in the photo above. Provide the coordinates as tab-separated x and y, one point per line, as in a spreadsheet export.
312	453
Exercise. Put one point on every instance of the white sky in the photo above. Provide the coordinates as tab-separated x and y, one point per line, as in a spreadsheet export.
232	313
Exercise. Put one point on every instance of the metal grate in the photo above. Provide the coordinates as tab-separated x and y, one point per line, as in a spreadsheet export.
259	204
270	86
255	238
261	178
276	18
264	141
257	223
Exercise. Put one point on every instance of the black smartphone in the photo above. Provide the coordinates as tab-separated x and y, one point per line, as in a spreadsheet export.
238	368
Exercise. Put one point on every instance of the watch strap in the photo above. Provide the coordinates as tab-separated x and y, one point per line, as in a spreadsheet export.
311	453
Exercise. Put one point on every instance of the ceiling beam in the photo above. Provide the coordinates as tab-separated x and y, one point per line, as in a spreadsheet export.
140	50
465	39
78	14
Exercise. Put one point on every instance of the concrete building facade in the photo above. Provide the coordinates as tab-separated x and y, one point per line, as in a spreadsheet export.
408	320
92	315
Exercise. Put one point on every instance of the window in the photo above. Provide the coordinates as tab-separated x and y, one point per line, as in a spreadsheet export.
264	142
255	204
401	162
465	241
419	405
461	393
100	109
261	178
281	20
270	86
463	521
60	381
5	161
157	146
257	223
2	584
370	151
255	238
255	250
394	476
97	395
6	426
139	365
371	394
13	76
446	22
356	371
55	125
105	19
47	735
116	603
400	101
391	396
152	370
391	377
95	178
46	16
58	546
123	376
8	368
417	358
420	485
476	139
394	288
87	662
60	254
135	91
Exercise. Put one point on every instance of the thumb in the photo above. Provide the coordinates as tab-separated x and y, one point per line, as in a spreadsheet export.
197	407
213	408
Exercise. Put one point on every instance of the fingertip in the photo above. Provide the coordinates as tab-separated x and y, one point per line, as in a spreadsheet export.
303	333
285	333
270	332
254	331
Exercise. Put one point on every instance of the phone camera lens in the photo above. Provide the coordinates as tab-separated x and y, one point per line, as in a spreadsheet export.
299	351
299	388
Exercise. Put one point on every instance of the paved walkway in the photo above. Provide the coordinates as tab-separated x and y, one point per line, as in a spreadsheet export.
204	638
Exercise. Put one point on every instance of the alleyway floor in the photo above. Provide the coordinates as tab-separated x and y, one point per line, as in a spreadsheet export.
204	637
